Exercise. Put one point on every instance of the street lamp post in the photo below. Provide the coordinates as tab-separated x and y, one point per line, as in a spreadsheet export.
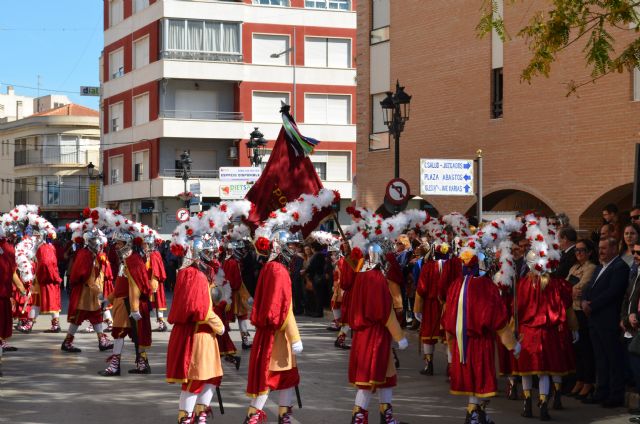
293	50
256	147
395	112
93	188
185	161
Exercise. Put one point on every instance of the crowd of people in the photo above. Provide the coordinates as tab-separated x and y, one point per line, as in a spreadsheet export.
560	311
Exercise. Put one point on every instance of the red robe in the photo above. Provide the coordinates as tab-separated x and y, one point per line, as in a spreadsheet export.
191	302
428	288
371	344
157	269
347	278
541	312
270	309
8	267
484	315
80	272
48	279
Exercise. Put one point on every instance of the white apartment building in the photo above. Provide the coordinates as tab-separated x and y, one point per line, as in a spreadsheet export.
13	106
44	158
199	75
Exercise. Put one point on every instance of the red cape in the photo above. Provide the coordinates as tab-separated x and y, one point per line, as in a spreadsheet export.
270	309
394	272
231	268
190	304
47	265
451	271
138	271
157	266
82	266
7	267
369	312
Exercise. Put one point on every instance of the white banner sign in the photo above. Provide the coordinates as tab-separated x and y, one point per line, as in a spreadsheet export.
236	181
446	177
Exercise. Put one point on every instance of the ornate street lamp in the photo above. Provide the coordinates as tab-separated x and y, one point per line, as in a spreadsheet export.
256	147
91	171
395	112
185	162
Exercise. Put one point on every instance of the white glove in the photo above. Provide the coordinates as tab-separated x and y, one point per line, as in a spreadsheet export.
418	316
403	343
135	315
576	336
297	347
516	350
221	332
250	302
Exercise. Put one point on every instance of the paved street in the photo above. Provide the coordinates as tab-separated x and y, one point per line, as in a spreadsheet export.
44	385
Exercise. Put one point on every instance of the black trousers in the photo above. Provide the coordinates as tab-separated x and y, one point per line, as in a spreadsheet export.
609	356
585	362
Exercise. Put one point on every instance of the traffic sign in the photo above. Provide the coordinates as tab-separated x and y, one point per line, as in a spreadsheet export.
182	215
446	177
397	191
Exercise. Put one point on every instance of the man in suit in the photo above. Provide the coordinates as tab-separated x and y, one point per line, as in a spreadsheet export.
602	300
567	242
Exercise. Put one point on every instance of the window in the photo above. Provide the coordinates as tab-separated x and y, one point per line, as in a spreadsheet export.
496	93
327	109
139	5
116	12
272	2
380	21
264	46
115	115
115	169
327	52
141	165
202	40
141	109
321	169
141	53
636	84
328	4
379	138
266	106
116	63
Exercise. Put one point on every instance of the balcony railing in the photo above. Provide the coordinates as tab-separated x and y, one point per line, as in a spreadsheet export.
195	173
50	157
53	196
205	115
203	56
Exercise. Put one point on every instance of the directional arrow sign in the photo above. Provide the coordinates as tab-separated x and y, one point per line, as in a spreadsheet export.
446	177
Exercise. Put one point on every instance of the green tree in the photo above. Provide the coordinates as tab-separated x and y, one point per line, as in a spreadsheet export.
594	23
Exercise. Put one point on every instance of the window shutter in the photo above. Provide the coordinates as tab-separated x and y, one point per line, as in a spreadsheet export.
266	45
315	52
338	53
266	106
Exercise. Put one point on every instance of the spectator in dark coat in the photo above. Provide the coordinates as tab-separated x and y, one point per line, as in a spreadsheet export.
601	302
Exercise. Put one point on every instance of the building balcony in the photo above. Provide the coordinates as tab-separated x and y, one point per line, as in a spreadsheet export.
202	115
198	55
48	156
170	184
53	198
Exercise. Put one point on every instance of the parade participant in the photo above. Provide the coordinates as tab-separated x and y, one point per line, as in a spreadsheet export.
221	297
130	301
240	299
157	277
47	283
474	316
23	304
543	306
347	278
374	324
8	279
87	276
336	298
193	357
272	364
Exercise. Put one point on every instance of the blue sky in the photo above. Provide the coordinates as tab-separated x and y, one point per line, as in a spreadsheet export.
59	40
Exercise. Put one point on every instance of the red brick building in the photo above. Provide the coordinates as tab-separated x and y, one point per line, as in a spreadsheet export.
542	149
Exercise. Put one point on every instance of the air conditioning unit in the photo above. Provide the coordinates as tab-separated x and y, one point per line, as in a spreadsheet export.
232	152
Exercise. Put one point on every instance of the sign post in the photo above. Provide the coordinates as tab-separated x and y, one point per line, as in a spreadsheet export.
446	177
479	180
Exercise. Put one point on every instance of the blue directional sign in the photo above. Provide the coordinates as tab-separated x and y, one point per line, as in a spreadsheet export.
446	177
